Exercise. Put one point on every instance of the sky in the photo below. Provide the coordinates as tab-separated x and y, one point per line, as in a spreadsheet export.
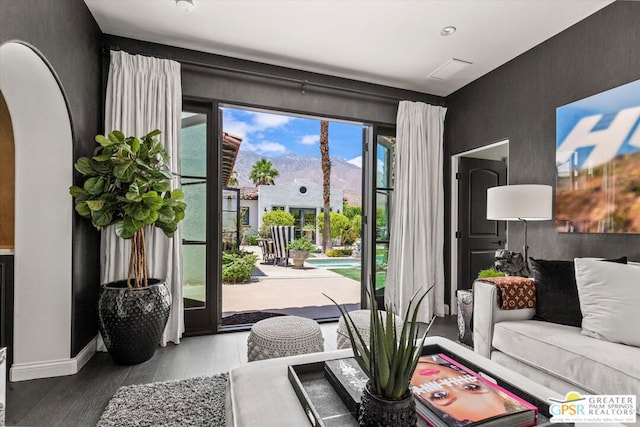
273	135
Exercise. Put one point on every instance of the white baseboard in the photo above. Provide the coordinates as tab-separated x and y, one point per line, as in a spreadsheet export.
52	368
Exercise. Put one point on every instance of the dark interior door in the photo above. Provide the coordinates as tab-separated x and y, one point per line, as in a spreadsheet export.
478	237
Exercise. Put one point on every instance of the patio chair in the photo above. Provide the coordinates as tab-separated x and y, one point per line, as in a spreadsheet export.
281	236
268	253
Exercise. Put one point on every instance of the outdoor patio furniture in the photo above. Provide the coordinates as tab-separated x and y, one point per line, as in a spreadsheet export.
281	236
284	336
361	319
268	252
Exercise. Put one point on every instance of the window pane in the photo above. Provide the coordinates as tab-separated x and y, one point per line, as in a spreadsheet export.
383	205
382	256
193	276
194	225
384	167
244	215
193	145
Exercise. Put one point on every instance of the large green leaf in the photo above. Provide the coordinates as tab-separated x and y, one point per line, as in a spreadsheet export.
153	200
104	141
76	191
124	171
161	187
102	157
153	133
166	214
177	194
151	218
95	185
83	209
119	136
102	218
95	205
140	212
133	197
84	166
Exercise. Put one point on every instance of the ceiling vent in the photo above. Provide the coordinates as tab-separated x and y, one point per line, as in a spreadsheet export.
449	69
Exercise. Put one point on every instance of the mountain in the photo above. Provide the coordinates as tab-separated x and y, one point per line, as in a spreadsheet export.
344	175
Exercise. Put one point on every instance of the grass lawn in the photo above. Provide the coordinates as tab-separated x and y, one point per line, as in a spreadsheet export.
354	273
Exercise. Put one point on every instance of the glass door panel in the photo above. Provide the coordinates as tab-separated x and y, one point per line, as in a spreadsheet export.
385	142
193	164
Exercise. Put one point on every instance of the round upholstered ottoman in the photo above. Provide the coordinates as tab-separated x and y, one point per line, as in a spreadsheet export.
362	320
284	336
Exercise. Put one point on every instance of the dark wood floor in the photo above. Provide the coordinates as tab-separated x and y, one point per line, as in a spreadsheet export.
79	400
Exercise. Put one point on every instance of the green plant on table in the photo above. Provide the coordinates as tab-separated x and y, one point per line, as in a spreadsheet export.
388	359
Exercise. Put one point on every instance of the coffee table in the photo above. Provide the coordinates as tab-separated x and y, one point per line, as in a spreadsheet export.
259	393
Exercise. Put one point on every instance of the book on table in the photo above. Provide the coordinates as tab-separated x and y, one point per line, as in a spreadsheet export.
449	394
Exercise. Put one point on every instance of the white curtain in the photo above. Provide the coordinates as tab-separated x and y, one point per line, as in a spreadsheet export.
416	247
143	94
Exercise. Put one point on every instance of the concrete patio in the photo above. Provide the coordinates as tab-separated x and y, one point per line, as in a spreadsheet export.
279	287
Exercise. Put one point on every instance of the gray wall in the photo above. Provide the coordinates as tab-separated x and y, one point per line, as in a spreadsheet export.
66	34
518	102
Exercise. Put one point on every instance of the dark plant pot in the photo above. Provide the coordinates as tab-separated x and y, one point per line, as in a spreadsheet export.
379	412
132	321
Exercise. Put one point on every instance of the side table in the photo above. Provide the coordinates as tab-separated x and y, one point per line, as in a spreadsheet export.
465	317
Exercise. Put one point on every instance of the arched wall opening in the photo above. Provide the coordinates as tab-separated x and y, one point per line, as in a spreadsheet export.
42	136
7	179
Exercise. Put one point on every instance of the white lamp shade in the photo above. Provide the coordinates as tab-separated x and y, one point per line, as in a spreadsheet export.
515	202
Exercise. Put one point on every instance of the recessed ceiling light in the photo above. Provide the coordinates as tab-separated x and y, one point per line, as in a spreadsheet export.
186	5
447	31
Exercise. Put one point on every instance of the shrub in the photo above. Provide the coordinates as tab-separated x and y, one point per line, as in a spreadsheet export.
490	272
338	224
275	218
332	253
237	266
252	239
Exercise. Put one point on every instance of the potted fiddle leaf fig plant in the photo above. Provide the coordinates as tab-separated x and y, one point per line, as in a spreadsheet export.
299	251
389	360
128	186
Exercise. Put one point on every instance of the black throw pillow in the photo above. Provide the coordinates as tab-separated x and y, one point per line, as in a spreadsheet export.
557	292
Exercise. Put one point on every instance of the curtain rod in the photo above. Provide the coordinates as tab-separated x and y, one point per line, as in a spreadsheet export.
302	82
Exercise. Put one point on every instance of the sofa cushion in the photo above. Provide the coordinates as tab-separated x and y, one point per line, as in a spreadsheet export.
600	367
557	292
609	300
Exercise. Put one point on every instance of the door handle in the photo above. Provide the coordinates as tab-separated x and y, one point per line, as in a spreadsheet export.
499	242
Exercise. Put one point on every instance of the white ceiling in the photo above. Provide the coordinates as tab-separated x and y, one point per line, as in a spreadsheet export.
389	42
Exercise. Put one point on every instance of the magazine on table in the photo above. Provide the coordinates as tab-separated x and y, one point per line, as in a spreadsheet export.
450	395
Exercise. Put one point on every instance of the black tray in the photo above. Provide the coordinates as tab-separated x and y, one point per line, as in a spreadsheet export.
325	408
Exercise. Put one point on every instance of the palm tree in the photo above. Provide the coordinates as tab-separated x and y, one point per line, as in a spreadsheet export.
263	173
326	184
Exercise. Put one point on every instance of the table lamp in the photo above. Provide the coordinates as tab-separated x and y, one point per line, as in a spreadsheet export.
528	202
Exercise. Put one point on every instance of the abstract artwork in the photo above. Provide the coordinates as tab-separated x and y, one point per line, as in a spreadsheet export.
598	163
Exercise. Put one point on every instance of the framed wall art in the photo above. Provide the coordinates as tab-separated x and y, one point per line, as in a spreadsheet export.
598	163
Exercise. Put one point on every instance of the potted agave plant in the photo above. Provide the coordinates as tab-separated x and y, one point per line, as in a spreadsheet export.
128	187
299	251
389	360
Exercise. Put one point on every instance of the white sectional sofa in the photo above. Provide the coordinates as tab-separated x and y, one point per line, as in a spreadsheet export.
557	356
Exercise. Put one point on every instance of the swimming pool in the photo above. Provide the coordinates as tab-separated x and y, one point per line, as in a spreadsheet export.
334	263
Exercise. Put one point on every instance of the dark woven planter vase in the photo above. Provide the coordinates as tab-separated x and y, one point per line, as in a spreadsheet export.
377	412
132	321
